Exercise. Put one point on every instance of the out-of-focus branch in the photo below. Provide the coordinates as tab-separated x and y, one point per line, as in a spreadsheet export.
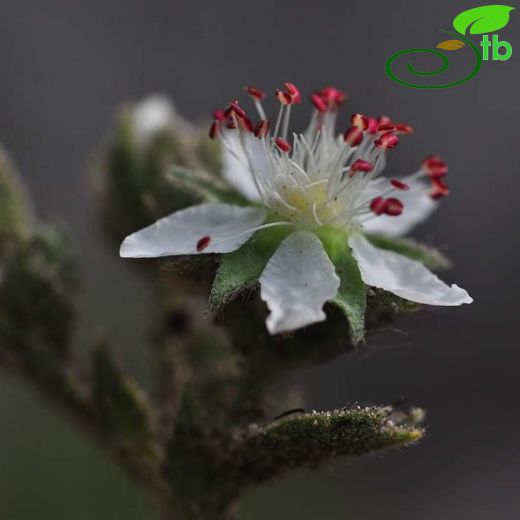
204	438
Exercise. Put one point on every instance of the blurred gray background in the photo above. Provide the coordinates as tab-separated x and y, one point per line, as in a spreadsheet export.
66	65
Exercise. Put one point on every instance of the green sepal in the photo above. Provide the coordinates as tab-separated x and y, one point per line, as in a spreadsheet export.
429	256
239	271
351	297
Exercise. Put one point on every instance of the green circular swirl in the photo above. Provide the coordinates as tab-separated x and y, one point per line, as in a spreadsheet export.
444	65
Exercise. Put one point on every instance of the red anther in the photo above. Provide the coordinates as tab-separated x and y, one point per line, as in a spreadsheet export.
282	144
294	92
403	128
399	185
388	127
328	94
318	102
341	97
394	207
333	96
255	93
203	243
359	165
262	128
239	111
439	189
372	125
228	111
378	205
360	121
387	141
214	129
247	125
219	115
283	97
384	120
353	136
435	166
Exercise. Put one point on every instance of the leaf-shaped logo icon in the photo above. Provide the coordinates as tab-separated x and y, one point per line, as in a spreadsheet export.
450	45
482	20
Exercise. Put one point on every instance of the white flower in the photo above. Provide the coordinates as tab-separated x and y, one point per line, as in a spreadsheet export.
318	180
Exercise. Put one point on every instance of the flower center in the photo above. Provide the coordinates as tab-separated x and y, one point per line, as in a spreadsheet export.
307	207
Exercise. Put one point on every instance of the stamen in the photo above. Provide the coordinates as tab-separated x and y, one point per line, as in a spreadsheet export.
214	129
279	198
439	189
394	207
353	136
399	185
318	102
304	173
359	121
359	165
403	128
296	97
386	128
219	115
203	243
239	111
435	166
372	125
333	96
391	207
282	144
283	97
378	205
315	214
262	128
286	119
247	125
383	120
255	93
387	141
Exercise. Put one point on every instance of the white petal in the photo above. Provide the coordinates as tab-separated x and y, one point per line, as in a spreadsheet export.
259	156
296	282
236	168
402	276
152	114
418	206
227	227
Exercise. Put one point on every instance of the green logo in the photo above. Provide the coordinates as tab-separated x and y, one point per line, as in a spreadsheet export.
480	20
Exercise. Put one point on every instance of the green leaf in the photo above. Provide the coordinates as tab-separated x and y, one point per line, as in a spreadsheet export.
351	297
484	19
309	439
239	271
430	257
